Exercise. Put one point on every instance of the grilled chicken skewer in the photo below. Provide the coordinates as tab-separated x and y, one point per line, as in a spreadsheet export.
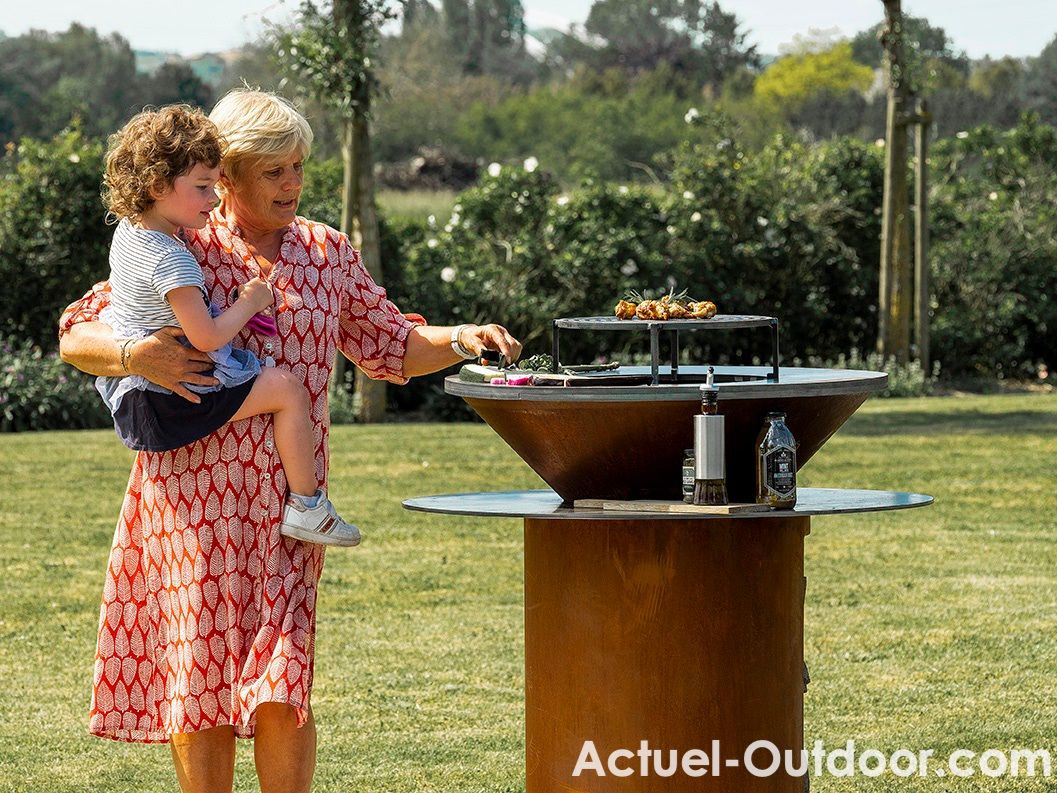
671	306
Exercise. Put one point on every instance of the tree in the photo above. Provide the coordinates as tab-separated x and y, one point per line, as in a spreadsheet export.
894	301
488	36
996	79
46	79
693	37
790	81
1040	83
815	40
175	82
922	41
426	92
333	53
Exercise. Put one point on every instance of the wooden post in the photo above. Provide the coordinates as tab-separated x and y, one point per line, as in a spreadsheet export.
346	226
359	218
371	393
921	235
894	299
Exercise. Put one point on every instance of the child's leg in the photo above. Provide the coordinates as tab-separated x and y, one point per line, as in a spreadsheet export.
278	392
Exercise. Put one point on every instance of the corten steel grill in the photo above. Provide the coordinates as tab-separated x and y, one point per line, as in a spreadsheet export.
669	628
627	441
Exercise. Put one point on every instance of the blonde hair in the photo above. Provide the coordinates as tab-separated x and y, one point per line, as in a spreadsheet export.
150	151
258	125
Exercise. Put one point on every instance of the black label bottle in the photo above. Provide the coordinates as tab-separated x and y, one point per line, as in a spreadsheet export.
776	464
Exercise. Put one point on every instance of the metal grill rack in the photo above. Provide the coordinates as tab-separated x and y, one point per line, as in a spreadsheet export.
674	326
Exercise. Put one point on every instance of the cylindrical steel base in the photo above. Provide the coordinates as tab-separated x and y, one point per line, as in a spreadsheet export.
676	633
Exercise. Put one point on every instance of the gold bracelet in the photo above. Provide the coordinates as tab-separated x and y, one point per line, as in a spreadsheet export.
126	353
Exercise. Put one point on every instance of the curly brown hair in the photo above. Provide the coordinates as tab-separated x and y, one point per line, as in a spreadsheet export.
151	150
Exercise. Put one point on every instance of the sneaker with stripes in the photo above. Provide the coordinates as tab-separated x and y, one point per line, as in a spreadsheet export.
319	524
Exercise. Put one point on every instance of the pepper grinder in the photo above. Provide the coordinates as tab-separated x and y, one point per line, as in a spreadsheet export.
710	470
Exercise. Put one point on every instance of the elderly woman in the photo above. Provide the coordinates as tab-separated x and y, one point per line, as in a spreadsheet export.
207	624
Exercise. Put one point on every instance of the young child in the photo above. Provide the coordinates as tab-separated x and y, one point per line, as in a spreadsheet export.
161	173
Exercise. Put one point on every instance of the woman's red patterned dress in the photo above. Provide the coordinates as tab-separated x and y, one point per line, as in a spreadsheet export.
207	611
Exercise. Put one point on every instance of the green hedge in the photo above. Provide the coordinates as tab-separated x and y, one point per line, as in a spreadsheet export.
789	229
994	251
53	241
40	392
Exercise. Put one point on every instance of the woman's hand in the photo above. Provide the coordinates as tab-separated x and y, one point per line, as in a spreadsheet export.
166	362
429	346
490	337
258	292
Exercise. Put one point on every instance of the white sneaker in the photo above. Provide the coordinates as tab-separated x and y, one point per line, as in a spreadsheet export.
319	524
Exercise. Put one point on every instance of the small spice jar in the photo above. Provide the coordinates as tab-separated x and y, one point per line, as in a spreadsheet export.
689	464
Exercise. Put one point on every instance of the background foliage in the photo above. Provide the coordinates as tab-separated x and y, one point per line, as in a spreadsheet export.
652	148
789	229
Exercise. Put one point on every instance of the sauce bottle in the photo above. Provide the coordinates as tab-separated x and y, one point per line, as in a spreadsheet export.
776	463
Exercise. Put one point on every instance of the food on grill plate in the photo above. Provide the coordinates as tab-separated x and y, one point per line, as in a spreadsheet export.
671	306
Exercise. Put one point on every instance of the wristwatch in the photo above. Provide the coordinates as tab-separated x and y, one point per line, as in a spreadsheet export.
456	345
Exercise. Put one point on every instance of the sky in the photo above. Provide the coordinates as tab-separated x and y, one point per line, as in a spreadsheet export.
980	27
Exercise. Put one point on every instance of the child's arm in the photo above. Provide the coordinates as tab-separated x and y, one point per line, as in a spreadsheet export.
202	330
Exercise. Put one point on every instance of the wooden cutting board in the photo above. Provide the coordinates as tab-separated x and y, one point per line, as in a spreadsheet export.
666	506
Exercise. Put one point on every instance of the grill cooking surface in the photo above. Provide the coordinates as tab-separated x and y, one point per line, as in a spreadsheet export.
734	382
723	321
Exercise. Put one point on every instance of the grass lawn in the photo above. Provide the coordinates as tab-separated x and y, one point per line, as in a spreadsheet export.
417	205
931	628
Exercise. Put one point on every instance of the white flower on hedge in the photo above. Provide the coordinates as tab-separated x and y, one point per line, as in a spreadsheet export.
74	157
692	115
431	242
494	169
531	164
688	195
629	267
432	220
695	218
447	275
993	195
962	135
879	143
563	200
762	222
623	189
455	218
447	228
671	230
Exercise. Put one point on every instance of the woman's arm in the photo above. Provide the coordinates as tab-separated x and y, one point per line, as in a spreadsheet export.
92	348
202	330
429	346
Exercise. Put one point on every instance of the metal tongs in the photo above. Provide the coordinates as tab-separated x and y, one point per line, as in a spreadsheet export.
498	360
494	358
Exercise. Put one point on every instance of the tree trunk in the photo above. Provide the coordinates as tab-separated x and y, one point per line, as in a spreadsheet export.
348	199
363	216
921	236
895	298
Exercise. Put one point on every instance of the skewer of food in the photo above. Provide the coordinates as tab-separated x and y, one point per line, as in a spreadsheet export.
671	306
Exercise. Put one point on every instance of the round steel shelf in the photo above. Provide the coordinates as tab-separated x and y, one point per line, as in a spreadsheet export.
548	505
